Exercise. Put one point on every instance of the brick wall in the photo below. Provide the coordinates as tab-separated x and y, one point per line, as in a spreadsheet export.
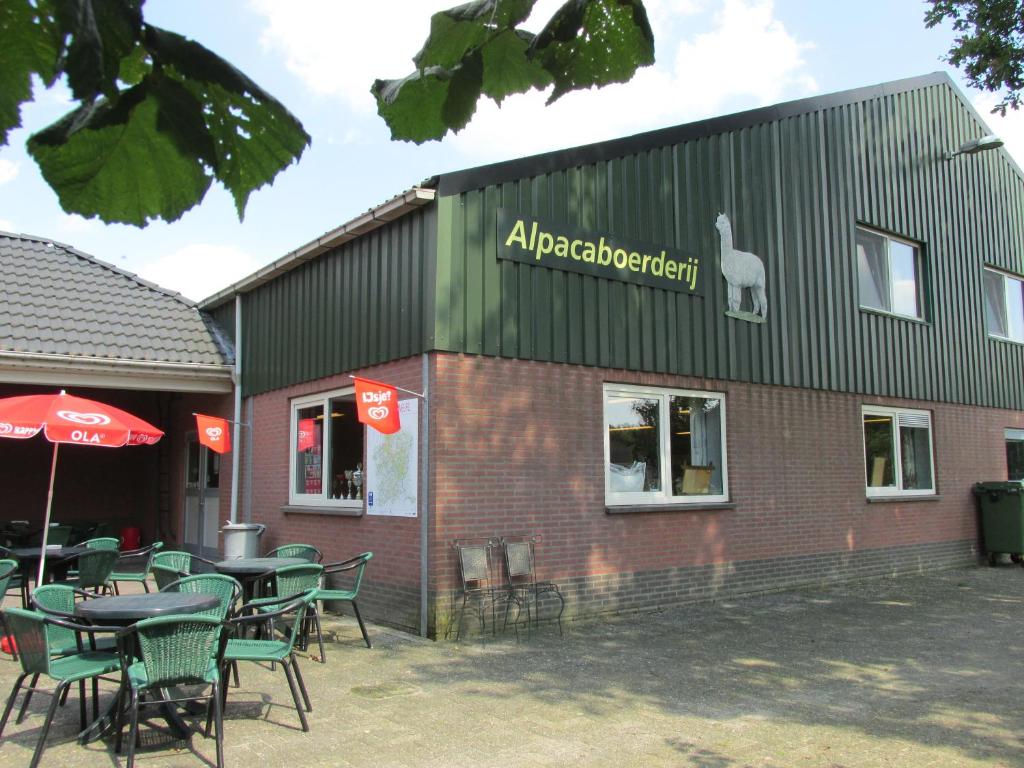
518	447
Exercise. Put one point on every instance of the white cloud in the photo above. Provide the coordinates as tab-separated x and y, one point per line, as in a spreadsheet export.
201	269
747	59
6	225
75	224
8	170
1009	128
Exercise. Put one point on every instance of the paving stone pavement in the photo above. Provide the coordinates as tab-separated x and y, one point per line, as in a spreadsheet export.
922	670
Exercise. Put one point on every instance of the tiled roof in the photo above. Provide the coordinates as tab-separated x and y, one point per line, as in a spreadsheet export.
55	300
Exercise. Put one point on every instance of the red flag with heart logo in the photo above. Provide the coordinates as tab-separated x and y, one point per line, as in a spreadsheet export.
213	433
377	405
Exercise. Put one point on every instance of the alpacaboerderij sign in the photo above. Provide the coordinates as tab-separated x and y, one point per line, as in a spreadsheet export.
530	240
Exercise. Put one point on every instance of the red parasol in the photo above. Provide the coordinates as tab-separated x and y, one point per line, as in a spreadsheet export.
64	418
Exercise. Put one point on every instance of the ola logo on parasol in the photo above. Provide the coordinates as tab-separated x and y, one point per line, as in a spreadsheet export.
377	413
88	419
6	429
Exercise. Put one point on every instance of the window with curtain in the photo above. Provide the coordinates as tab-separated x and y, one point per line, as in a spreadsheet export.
898	452
1004	305
663	445
889	274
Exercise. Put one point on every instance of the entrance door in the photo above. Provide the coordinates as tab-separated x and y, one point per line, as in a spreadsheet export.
202	499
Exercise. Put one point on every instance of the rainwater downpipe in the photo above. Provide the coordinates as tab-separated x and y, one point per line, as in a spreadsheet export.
237	428
425	497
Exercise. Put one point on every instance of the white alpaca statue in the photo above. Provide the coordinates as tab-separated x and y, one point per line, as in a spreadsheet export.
741	270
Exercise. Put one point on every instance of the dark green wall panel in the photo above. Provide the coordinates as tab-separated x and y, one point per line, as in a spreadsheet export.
362	303
794	188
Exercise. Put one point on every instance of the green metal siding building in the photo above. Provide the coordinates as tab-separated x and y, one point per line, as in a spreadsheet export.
885	370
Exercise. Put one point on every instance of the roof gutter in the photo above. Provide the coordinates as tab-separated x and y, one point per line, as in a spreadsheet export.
44	368
373	219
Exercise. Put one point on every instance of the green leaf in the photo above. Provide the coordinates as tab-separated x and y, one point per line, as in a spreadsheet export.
28	45
123	159
507	67
101	33
457	31
427	103
253	136
593	43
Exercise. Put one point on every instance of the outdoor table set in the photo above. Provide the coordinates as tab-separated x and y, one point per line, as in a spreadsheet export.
168	644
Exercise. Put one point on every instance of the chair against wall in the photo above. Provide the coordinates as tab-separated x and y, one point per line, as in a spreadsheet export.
354	567
307	552
174	651
480	589
130	557
240	648
31	630
519	555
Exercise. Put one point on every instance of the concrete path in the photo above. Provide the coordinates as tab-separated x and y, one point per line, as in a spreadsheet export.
914	671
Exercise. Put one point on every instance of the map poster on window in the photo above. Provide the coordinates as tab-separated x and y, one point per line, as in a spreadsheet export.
392	466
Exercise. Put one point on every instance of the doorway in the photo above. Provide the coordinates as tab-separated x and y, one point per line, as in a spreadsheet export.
202	500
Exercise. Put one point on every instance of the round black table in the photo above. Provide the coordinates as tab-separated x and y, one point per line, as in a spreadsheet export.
56	569
249	569
127	609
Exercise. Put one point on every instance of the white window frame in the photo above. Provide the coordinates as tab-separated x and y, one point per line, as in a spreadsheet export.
322	499
1013	436
666	495
918	274
1006	310
897	490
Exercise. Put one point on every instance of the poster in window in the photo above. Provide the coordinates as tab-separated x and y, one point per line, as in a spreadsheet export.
391	466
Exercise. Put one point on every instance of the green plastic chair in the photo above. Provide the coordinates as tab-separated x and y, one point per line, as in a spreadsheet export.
307	552
103	542
31	633
165	575
139	577
58	601
271	650
58	534
226	588
17	580
8	573
94	569
295	580
174	651
356	564
179	561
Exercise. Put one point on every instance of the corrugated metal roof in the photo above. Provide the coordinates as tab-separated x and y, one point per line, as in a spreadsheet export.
55	300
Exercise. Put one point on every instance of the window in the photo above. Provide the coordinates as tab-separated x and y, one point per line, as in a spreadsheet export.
1015	454
326	451
663	446
889	274
1004	305
898	452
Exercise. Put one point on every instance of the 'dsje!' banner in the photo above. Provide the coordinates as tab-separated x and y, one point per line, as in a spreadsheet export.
377	405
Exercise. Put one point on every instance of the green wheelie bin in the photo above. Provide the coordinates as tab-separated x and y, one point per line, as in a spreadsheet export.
1002	518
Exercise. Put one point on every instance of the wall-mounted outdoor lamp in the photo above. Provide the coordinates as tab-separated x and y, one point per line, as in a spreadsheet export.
974	146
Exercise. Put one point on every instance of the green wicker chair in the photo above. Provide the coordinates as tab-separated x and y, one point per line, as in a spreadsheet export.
58	601
307	552
272	650
174	651
139	577
165	575
103	542
295	580
226	588
8	573
31	633
17	579
356	564
94	569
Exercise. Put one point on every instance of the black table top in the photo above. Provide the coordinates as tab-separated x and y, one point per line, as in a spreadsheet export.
33	553
254	566
120	608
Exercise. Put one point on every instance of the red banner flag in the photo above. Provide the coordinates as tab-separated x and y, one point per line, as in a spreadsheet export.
213	433
377	405
307	435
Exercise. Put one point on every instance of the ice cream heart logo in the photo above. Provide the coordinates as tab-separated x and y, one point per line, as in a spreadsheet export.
378	413
214	433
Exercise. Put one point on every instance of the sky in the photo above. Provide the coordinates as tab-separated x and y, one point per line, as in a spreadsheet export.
320	57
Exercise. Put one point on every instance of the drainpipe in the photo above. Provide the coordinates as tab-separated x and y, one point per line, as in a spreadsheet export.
237	428
425	496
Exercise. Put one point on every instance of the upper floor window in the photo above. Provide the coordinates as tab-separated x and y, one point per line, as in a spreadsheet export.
898	452
1004	305
889	274
663	445
326	456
